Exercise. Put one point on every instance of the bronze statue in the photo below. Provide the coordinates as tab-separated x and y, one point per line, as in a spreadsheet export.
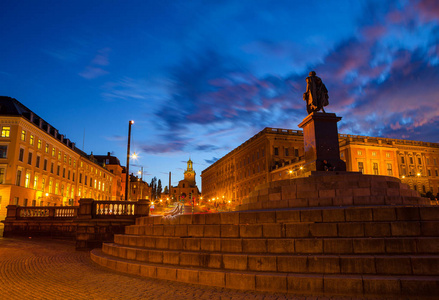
316	95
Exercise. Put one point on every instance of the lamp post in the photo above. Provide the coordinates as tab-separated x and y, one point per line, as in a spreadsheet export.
128	160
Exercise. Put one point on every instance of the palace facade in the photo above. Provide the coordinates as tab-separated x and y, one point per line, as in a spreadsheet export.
41	167
276	154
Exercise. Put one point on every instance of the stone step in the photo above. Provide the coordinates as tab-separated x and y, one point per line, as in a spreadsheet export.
353	228
284	263
318	214
315	284
388	245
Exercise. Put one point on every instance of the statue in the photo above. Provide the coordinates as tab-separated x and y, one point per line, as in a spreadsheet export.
316	95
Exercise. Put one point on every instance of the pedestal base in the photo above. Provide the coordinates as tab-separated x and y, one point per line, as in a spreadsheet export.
321	142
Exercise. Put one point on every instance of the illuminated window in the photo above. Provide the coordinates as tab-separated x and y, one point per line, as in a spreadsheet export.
375	169
79	192
43	184
3	151
2	175
23	135
99	186
35	181
359	152
387	154
360	167
27	180
53	152
59	155
70	161
47	148
6	131
31	139
62	190
65	158
374	153
95	183
39	145
74	164
50	186
389	170
56	188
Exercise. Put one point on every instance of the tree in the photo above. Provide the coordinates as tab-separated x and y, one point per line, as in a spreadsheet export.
166	190
159	189
153	186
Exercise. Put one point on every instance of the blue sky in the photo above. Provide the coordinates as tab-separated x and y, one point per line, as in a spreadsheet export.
201	77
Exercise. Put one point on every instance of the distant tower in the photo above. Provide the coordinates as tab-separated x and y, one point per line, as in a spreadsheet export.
189	174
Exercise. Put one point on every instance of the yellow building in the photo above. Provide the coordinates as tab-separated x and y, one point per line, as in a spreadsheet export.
187	189
277	154
39	166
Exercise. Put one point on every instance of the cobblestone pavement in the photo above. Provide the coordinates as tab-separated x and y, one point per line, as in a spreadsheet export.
52	269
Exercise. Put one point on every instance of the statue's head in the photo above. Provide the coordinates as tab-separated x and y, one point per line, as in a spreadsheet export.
312	73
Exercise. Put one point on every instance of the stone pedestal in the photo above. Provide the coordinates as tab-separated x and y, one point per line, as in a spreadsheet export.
321	141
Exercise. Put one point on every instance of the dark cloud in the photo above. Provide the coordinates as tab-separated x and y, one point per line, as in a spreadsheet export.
211	161
206	148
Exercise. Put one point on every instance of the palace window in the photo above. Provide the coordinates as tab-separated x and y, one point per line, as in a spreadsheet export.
29	158
39	145
50	186
27	180
374	153
23	135
56	188
21	154
411	160
389	170
402	160
35	181
43	184
53	152
359	152
46	149
296	152
3	151
2	175
31	139
59	155
58	169
6	131
360	167
286	152
276	151
37	163
435	171
375	169
387	154
429	172
419	161
45	165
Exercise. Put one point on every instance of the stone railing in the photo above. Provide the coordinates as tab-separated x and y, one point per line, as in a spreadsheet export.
91	223
46	212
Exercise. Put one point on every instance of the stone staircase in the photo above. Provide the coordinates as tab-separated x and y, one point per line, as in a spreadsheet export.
386	250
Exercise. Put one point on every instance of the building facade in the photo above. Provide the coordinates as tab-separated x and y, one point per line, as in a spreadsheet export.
40	167
277	154
187	189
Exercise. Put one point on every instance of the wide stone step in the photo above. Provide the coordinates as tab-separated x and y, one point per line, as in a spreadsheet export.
319	214
356	245
284	263
314	284
352	228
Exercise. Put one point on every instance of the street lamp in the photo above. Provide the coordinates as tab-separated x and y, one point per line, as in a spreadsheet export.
128	160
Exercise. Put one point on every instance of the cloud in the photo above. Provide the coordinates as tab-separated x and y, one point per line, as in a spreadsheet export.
95	68
211	161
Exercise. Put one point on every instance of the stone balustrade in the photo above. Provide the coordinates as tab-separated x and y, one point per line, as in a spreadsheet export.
90	223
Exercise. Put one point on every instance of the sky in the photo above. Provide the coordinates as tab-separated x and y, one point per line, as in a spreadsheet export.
201	77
